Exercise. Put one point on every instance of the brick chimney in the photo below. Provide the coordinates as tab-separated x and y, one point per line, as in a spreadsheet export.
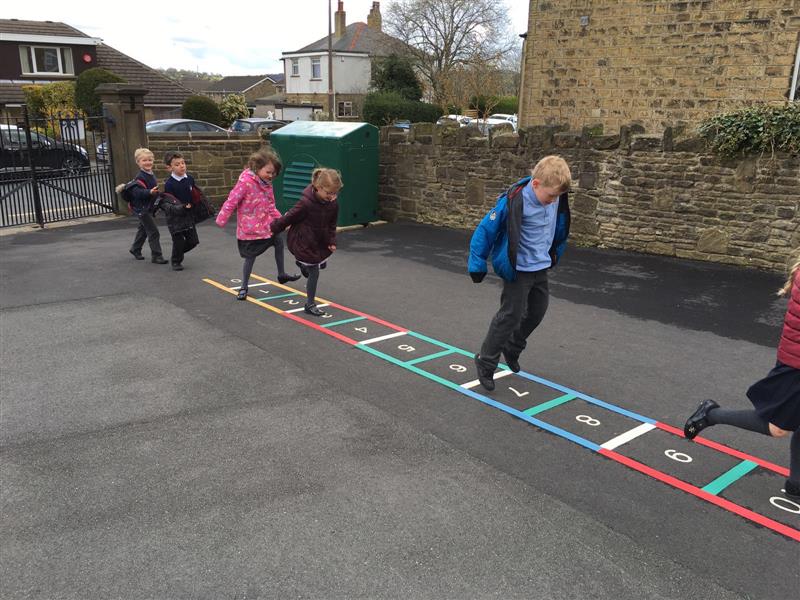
339	21
374	20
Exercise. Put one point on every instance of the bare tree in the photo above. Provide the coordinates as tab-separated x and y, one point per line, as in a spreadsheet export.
449	34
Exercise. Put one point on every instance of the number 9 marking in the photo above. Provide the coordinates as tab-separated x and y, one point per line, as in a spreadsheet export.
678	456
587	420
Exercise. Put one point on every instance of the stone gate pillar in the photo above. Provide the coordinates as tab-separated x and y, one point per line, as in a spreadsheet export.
123	109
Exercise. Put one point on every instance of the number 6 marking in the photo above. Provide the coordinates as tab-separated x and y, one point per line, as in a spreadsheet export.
588	420
778	502
678	456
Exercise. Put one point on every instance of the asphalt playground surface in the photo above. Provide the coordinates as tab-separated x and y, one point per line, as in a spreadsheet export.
159	439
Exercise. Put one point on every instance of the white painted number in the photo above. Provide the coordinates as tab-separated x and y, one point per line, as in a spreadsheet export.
361	329
406	348
236	281
291	302
588	420
519	394
327	316
785	504
679	456
458	368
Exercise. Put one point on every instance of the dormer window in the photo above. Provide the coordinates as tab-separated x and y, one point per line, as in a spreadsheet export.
46	60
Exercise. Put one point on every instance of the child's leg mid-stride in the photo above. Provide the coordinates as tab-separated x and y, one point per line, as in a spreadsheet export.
178	246
147	230
311	291
523	304
283	276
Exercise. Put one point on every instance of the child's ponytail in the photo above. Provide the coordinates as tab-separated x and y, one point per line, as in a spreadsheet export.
792	272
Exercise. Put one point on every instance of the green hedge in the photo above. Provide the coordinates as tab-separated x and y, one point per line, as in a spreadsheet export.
384	108
202	108
754	130
85	84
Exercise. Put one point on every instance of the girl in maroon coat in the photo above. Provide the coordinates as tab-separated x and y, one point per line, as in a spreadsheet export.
312	237
776	398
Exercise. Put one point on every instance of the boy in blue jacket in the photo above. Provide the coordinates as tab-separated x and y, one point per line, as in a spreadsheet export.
142	197
525	234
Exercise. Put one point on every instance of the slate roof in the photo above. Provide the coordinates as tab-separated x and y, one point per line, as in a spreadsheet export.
359	37
161	89
241	83
195	83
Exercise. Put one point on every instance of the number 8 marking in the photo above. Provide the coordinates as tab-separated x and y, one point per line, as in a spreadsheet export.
458	368
588	420
678	456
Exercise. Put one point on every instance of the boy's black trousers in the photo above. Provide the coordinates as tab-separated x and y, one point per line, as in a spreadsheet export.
522	307
182	242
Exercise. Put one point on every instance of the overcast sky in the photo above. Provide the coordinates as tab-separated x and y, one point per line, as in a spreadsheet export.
214	37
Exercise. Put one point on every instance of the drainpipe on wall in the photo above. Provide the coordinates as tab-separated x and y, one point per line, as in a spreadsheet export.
521	92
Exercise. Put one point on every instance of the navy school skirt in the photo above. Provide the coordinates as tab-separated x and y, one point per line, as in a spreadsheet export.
253	248
776	398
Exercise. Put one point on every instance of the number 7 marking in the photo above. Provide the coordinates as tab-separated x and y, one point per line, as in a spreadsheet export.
519	395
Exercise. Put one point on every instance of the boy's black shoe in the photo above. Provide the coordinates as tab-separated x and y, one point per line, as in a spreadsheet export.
511	361
159	260
699	419
285	277
322	265
485	376
242	295
177	267
303	268
313	310
136	255
792	490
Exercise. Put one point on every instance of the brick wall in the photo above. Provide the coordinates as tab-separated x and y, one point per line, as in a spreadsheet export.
214	160
655	62
656	194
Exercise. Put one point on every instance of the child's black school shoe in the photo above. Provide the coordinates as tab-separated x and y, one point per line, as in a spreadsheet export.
512	362
242	295
159	260
322	265
177	267
699	419
485	376
792	490
136	255
286	278
303	268
313	310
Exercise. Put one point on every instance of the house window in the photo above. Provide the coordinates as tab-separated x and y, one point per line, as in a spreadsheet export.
46	59
794	92
344	109
316	69
295	67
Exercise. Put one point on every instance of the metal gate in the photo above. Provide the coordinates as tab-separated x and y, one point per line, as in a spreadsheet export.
54	169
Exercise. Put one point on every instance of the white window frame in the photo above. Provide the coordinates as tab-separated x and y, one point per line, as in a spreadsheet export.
344	108
63	55
316	62
295	67
794	91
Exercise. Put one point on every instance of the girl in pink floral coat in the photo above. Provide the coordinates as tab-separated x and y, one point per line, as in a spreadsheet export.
254	202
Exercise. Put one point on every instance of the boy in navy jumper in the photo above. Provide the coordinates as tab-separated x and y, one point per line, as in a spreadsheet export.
142	203
180	218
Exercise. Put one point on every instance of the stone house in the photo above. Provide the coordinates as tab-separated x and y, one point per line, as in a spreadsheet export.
46	51
354	47
655	63
252	87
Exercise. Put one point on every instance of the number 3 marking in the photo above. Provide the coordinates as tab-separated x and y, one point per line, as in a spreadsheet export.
588	420
678	456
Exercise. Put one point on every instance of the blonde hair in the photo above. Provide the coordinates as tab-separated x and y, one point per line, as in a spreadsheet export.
787	287
140	152
553	171
260	159
329	179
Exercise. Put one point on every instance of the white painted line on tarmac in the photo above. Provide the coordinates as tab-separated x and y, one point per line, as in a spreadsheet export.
498	375
384	337
629	435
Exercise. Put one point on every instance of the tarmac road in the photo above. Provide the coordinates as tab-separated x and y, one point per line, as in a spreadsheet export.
161	440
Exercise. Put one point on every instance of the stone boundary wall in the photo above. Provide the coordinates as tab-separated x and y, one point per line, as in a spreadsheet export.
215	160
655	194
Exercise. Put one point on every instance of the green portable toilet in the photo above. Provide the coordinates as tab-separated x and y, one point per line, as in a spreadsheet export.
350	148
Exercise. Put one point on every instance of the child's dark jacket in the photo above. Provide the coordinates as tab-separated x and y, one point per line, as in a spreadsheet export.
498	233
313	227
139	189
789	347
179	218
